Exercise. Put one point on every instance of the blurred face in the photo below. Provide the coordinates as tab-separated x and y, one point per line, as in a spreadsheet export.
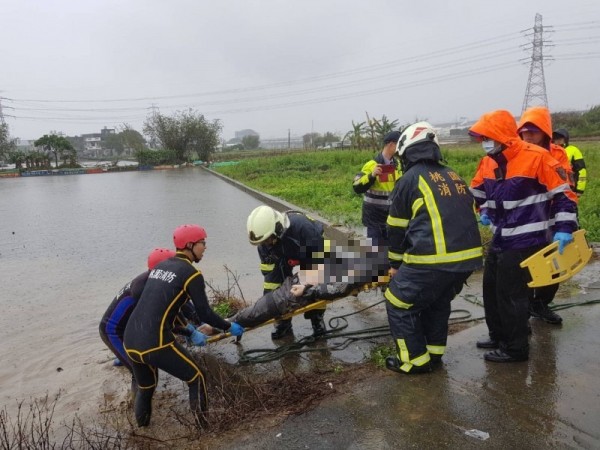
533	137
560	141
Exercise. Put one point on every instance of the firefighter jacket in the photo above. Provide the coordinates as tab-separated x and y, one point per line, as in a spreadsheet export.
577	163
432	220
523	190
376	203
300	244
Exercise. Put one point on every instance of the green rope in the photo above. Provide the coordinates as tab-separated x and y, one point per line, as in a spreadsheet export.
336	324
339	323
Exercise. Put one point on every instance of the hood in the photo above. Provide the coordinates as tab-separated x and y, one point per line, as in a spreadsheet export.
498	125
564	133
421	151
538	116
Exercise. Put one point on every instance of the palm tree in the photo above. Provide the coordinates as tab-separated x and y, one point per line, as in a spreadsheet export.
356	135
57	145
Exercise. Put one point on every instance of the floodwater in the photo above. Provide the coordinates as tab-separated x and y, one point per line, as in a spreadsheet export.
69	243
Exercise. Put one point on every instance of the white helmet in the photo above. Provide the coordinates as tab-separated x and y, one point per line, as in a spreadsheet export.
264	222
415	133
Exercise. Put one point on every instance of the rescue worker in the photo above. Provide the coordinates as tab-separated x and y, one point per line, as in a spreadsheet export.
285	241
114	320
575	157
376	181
434	246
519	187
149	340
535	127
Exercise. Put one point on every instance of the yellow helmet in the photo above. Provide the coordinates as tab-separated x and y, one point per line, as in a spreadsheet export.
264	222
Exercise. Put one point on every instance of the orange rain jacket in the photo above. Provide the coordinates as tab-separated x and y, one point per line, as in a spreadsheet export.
540	117
522	189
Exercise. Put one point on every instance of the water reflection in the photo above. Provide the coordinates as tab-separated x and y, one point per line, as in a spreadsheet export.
68	243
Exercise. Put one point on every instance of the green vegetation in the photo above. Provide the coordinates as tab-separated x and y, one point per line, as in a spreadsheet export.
322	181
380	352
60	147
185	133
579	124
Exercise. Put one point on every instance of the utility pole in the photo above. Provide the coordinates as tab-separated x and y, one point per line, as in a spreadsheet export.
154	108
2	122
535	94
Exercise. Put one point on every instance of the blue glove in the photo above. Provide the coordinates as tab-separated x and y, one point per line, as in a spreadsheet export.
190	327
485	220
563	239
198	338
236	329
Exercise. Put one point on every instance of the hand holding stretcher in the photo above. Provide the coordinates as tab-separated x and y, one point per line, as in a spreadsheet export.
344	272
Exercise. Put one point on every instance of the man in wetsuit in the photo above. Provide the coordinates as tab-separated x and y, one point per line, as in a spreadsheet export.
149	339
114	320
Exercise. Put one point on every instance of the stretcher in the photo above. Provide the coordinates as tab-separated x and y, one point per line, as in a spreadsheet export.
548	267
318	304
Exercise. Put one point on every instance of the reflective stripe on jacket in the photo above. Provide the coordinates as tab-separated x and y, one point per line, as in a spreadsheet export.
521	190
376	190
432	220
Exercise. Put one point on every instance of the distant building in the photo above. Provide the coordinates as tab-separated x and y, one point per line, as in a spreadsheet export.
243	133
92	144
25	145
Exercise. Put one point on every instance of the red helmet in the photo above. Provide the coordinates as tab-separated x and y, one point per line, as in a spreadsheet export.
158	255
185	234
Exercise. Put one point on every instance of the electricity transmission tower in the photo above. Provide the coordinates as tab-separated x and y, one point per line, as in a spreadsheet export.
535	94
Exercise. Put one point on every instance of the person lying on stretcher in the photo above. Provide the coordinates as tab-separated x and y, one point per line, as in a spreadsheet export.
342	273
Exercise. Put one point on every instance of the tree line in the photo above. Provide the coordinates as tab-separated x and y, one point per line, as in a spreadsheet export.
188	135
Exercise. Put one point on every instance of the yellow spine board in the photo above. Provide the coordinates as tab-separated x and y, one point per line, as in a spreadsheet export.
548	267
319	304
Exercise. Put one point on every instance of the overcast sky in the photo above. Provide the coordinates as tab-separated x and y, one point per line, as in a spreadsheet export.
75	66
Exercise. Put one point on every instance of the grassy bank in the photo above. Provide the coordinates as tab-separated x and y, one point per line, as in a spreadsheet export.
321	181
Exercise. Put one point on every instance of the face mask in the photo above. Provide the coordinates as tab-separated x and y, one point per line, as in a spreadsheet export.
490	148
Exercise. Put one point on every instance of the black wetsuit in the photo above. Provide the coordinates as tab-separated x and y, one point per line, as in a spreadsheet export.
149	339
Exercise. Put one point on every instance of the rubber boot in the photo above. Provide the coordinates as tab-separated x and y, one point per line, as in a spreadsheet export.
282	328
318	326
143	406
392	363
541	311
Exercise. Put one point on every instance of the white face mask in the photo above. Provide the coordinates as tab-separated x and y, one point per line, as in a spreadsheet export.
490	148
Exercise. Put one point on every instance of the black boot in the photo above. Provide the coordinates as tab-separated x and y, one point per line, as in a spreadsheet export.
143	406
542	311
392	363
318	326
282	328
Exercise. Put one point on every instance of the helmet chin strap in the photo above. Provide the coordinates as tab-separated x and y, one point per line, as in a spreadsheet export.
191	249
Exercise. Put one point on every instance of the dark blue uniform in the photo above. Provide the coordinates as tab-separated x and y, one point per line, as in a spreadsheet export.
300	244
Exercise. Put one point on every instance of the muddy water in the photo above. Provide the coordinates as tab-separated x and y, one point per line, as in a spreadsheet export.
68	244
